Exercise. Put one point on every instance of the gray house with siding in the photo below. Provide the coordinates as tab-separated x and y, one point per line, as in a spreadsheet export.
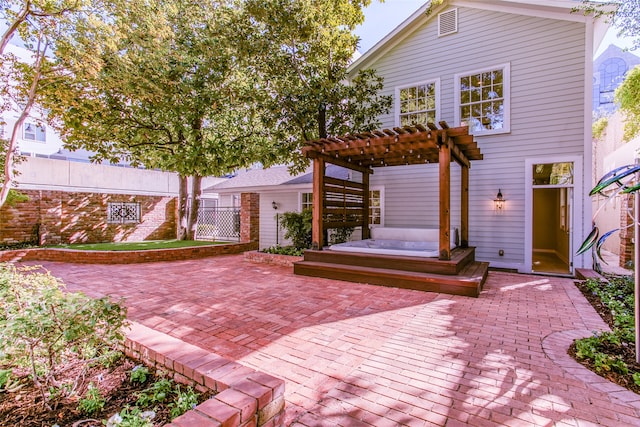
519	74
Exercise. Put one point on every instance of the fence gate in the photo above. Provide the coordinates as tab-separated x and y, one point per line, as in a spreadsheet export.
218	223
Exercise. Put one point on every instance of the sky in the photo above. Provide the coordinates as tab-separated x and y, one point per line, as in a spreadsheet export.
382	18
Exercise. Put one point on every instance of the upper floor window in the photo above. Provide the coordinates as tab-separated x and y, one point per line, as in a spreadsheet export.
417	104
612	72
34	132
482	100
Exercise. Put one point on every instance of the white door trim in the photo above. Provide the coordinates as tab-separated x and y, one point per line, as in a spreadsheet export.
577	217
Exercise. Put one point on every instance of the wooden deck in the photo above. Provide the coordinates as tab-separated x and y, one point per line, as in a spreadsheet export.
462	275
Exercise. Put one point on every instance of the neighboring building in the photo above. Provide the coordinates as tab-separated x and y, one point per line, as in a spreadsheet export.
609	70
34	136
610	152
497	66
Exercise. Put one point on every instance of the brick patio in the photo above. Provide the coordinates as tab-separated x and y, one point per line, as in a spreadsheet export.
361	355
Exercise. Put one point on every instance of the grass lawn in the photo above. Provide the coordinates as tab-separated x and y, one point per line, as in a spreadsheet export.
136	246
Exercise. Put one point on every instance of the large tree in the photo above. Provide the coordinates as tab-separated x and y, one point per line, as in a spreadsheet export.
205	89
303	49
167	93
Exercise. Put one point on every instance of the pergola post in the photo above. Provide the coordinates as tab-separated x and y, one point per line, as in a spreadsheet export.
464	207
445	198
365	206
318	204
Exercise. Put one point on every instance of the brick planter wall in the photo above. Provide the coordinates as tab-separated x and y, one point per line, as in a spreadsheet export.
124	257
245	397
63	217
276	259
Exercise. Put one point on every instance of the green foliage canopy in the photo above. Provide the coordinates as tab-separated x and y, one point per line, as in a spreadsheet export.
628	96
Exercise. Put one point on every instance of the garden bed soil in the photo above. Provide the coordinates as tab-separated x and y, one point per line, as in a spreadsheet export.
24	407
626	351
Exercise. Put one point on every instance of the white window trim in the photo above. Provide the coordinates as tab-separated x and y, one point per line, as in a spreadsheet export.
578	224
506	95
407	86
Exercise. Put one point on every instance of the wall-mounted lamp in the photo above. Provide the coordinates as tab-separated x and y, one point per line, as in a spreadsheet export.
274	205
499	201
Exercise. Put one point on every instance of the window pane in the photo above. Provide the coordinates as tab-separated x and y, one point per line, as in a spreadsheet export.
475	95
553	174
465	97
482	106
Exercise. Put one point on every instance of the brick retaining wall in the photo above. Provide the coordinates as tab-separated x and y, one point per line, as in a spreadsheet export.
124	257
53	217
245	397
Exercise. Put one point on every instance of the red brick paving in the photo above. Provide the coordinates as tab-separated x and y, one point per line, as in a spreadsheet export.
362	355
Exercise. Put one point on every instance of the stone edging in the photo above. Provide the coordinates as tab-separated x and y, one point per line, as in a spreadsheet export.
555	346
123	257
245	397
276	259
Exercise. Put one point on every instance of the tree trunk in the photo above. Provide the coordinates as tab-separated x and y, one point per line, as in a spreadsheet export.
322	121
183	197
9	158
196	187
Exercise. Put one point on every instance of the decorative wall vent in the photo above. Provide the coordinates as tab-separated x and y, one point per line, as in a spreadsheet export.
123	213
448	22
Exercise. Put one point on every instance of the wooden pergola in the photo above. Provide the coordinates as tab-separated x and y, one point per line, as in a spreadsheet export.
342	203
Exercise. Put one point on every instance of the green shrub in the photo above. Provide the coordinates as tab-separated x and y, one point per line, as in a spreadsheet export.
92	402
44	329
298	226
284	250
617	294
139	374
184	402
340	235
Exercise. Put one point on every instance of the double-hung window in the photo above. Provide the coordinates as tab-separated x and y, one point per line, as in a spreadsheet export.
306	201
418	104
482	100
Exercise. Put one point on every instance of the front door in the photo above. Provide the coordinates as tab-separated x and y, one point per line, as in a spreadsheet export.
553	185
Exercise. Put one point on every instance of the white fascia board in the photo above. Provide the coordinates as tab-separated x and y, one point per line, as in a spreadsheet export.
281	188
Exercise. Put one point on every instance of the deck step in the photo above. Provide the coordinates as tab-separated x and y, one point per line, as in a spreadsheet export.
468	282
460	258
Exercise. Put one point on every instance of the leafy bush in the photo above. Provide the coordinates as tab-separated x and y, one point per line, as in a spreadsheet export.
139	374
46	330
340	235
284	250
603	350
298	226
184	402
92	402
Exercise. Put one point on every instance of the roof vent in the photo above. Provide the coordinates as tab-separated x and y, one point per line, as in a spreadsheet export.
448	22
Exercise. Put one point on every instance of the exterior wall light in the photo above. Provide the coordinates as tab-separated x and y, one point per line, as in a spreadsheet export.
499	201
274	205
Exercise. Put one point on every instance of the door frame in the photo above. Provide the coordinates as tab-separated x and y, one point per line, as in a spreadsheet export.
577	207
